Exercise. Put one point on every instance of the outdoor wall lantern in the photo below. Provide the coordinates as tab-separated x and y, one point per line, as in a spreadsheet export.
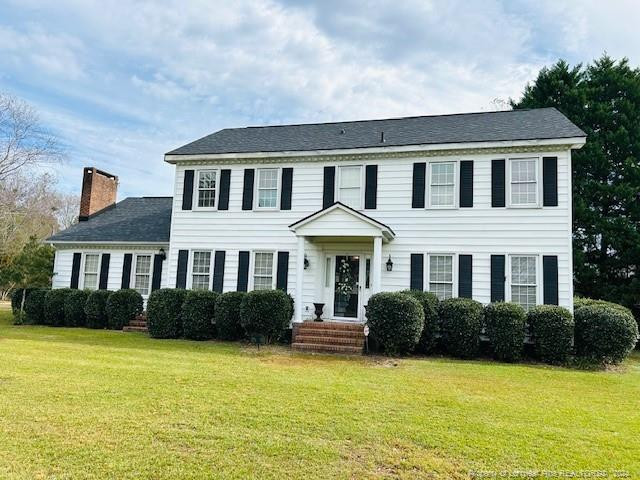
163	254
306	262
389	264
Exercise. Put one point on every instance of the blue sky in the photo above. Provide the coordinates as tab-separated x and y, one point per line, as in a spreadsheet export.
124	82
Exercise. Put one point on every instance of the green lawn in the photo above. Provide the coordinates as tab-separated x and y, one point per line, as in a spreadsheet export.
78	403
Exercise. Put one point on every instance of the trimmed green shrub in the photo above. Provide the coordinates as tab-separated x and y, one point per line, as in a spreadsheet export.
16	298
95	308
227	316
580	302
604	334
505	324
552	329
265	313
198	313
461	322
431	330
122	307
164	312
395	321
34	306
74	315
54	302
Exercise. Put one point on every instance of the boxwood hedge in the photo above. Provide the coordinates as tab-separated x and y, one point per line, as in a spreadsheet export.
265	314
431	330
552	329
95	308
505	327
462	321
34	306
227	316
198	313
164	312
122	306
395	321
74	315
54	302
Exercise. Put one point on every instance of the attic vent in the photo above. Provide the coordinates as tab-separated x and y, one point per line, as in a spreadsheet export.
381	137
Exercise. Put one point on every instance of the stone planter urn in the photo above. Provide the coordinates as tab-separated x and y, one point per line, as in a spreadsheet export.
318	312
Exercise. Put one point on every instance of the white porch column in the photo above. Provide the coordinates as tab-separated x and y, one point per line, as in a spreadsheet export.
299	279
377	264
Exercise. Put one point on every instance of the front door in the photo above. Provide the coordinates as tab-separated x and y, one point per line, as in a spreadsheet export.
346	287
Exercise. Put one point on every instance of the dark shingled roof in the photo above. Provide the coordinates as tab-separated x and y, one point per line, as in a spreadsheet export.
134	219
541	123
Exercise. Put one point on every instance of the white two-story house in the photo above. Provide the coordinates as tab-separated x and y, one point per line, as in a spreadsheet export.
471	205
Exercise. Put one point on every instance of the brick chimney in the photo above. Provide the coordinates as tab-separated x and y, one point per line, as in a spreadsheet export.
99	190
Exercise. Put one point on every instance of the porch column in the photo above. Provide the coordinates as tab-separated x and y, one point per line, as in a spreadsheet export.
299	279
377	264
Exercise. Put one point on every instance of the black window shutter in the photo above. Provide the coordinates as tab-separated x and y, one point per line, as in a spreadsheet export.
497	183
550	279
417	271
497	278
285	193
466	183
419	172
328	186
75	270
126	270
247	189
218	271
243	272
465	276
223	197
187	190
371	187
156	280
104	271
282	276
550	181
183	265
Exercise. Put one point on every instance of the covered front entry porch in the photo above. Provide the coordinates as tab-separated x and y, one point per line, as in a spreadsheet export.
347	250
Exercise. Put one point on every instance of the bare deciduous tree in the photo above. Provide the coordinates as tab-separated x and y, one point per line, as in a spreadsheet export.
23	140
67	207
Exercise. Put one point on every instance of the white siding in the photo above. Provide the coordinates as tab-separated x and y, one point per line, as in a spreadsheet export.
479	231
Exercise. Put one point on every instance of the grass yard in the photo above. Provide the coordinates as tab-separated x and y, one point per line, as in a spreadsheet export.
78	403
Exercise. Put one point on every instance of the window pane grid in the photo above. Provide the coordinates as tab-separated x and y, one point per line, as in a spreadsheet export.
267	188
350	186
441	275
524	281
524	183
263	271
207	188
200	270
91	262
442	186
142	274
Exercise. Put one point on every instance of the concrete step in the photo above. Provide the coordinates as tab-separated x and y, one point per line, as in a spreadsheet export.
324	348
324	340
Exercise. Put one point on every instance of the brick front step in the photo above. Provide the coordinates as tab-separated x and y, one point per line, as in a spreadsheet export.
356	327
137	323
131	328
323	348
316	332
326	340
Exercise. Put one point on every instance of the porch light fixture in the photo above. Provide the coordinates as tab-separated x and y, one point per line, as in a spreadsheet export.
306	262
389	264
163	254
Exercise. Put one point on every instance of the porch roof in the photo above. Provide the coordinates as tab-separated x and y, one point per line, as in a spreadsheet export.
339	220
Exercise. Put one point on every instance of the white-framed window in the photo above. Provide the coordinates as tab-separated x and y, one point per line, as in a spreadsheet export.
441	275
263	277
267	187
524	280
350	185
206	188
523	181
91	271
442	184
142	274
201	270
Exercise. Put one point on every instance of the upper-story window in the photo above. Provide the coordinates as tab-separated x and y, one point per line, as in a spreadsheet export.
267	188
524	281
207	183
263	271
200	270
524	181
91	268
142	280
350	186
441	275
442	184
